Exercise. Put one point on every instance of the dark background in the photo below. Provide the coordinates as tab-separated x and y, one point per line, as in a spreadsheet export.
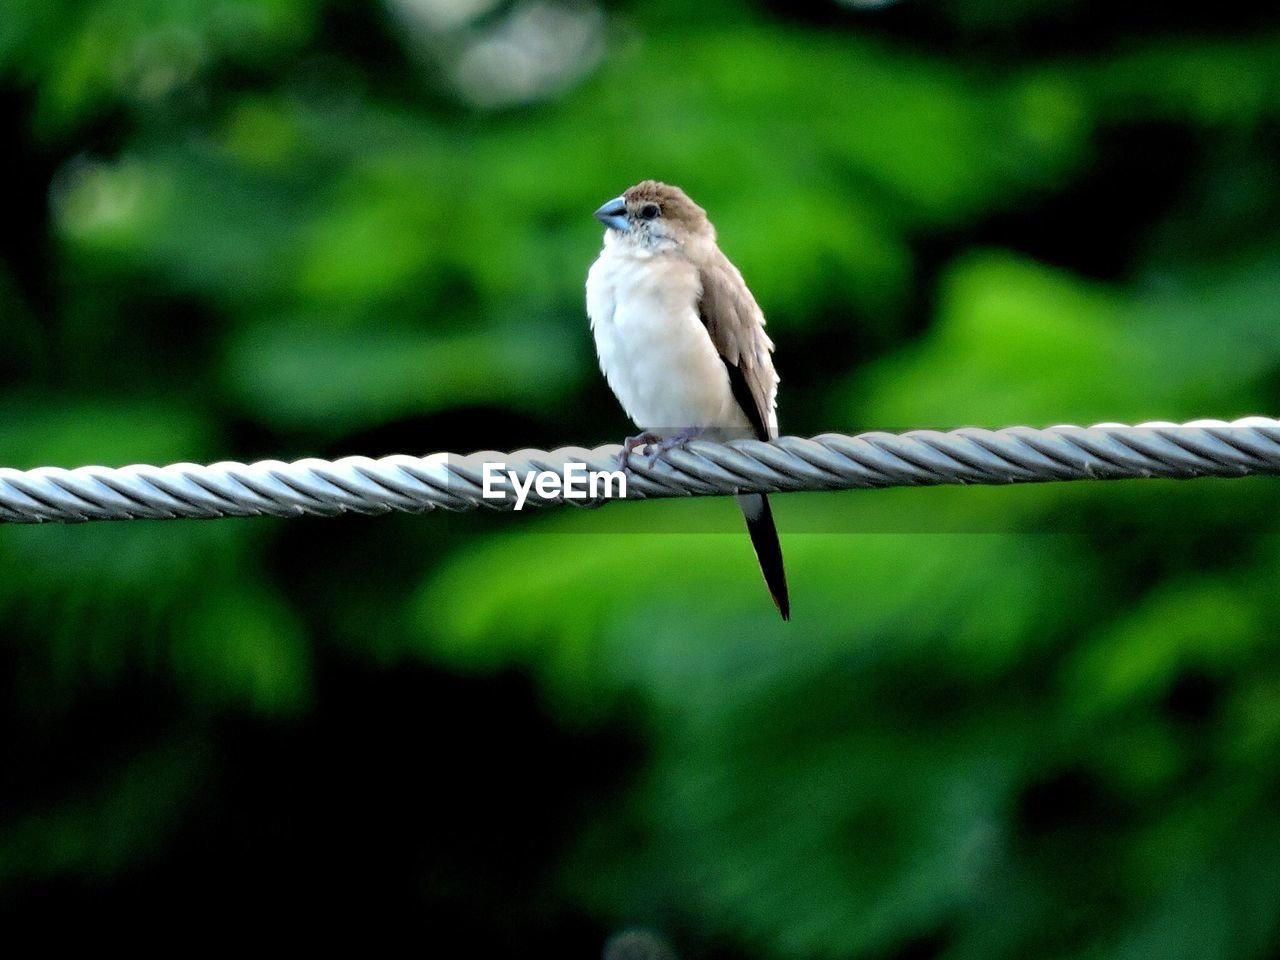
1003	723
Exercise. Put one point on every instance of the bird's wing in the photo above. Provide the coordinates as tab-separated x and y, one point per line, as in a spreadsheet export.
735	324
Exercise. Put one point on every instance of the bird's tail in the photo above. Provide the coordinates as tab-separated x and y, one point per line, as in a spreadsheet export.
764	537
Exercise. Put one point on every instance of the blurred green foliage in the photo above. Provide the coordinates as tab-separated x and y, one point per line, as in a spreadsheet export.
1004	723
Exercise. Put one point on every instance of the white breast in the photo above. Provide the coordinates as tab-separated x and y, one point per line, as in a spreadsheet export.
654	351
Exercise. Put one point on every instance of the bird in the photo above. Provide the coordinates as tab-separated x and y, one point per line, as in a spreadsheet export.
681	342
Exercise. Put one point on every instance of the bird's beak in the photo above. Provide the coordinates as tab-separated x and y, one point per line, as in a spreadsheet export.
614	214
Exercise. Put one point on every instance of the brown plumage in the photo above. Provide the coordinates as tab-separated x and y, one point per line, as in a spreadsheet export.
660	264
729	312
674	204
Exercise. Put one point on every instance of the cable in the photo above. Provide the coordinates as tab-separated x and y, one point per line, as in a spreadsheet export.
828	462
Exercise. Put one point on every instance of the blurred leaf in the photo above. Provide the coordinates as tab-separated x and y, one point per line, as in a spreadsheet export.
141	51
1184	626
123	822
1018	343
243	647
41	431
325	379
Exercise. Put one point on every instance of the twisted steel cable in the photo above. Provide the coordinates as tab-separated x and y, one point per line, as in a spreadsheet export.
830	461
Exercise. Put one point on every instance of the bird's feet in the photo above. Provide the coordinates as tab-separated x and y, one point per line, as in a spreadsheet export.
630	443
655	446
674	442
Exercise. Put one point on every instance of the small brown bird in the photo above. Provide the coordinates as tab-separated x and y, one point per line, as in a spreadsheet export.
681	341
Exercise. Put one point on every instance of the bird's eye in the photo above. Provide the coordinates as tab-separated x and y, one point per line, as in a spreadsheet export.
649	211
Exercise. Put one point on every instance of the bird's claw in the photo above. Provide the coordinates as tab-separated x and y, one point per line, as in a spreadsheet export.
629	445
674	442
657	446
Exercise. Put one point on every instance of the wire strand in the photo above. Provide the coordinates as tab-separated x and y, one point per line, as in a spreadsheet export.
1107	451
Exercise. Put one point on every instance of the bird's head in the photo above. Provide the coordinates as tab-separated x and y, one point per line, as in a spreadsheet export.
656	216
